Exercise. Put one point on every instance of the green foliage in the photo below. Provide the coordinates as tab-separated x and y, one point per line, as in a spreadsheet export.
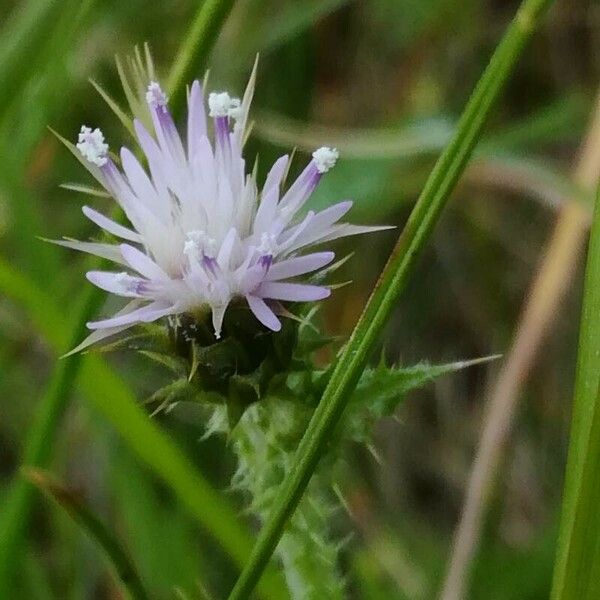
417	231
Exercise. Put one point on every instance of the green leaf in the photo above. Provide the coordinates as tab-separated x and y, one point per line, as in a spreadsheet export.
90	524
392	283
381	390
577	569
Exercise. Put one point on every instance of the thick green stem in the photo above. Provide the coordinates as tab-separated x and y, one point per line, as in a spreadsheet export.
391	284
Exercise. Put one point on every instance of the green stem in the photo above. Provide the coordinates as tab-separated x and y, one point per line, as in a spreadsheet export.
393	280
18	503
99	533
192	57
577	569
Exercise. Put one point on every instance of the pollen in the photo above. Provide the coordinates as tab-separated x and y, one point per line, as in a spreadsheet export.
325	158
221	104
155	96
199	242
126	282
92	147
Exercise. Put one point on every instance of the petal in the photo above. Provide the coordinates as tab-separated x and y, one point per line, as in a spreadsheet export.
139	181
218	314
267	211
110	225
107	251
240	125
224	255
263	313
110	282
300	190
145	314
196	119
299	265
345	230
292	292
142	263
276	173
102	334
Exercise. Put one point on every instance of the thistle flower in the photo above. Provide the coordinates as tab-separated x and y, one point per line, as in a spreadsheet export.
202	235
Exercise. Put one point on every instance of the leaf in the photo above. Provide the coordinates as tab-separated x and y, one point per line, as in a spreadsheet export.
382	389
577	569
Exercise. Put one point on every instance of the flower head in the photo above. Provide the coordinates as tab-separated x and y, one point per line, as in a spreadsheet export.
202	234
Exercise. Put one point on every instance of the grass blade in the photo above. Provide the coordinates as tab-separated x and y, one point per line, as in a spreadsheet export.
83	516
193	55
418	229
577	569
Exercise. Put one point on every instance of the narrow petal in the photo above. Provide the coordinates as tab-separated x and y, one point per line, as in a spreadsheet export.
224	255
346	229
110	225
142	263
140	182
145	314
299	265
300	190
218	314
267	211
263	313
196	119
292	292
102	334
242	118
276	173
107	251
119	284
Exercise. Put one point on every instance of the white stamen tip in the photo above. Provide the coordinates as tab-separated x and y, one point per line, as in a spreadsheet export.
268	243
197	241
92	147
325	158
221	104
126	282
155	96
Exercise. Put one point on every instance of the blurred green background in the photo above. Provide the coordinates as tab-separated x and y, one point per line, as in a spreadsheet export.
384	80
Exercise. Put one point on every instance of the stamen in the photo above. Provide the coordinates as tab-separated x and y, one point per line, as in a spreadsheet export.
155	96
221	104
198	242
127	283
325	158
268	243
92	147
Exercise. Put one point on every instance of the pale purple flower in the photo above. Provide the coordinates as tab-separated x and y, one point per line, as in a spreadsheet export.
202	234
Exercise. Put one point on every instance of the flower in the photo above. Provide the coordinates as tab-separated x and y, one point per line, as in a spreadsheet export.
201	233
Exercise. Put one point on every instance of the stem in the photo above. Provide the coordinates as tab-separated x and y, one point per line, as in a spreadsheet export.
540	310
391	284
193	54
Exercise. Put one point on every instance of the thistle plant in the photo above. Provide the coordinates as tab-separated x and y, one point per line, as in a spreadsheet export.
212	264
